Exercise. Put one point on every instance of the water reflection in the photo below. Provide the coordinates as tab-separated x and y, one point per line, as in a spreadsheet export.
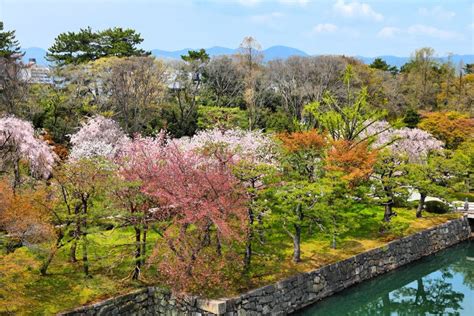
442	284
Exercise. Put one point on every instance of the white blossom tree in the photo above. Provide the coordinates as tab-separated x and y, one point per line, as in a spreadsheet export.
251	146
403	160
97	137
18	142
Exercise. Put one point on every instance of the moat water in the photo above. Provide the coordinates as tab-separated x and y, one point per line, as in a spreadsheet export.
441	284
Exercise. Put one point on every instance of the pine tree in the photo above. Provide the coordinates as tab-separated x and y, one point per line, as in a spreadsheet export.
9	45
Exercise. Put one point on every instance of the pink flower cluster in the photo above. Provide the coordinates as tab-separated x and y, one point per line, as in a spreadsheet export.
18	141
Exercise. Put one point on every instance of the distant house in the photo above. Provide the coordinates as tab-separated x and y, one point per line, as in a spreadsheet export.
34	73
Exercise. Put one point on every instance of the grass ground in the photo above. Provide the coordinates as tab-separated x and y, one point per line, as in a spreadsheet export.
24	292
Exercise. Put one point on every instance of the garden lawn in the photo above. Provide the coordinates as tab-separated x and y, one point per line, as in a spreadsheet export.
317	252
23	291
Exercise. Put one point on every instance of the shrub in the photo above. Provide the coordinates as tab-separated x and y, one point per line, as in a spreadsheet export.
437	207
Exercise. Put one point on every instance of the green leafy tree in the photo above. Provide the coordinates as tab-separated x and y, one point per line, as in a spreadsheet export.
83	185
294	206
388	181
429	178
381	64
87	45
337	205
182	113
343	118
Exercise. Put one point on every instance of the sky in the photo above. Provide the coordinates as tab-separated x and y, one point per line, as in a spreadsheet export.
357	28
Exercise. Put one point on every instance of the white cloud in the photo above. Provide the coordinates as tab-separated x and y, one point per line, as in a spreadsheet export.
267	19
388	32
356	9
420	29
295	2
437	12
325	28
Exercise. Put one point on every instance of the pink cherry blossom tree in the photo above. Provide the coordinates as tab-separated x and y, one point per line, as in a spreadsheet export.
201	198
97	137
18	142
135	162
253	156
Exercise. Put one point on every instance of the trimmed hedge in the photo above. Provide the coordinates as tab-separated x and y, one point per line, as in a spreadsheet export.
437	207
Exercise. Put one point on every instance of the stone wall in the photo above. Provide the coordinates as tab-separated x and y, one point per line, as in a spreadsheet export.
151	301
293	293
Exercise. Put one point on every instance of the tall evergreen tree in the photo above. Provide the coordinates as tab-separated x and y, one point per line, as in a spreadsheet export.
9	45
87	45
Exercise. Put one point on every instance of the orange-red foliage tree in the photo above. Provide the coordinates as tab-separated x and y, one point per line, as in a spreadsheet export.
26	217
354	160
304	152
453	128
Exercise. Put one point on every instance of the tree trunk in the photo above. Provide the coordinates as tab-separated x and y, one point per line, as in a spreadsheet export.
72	251
218	244
386	304
388	212
17	175
85	259
138	250
145	230
421	204
420	296
77	234
297	244
46	263
248	245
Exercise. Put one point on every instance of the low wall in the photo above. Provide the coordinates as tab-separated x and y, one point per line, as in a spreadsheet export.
293	293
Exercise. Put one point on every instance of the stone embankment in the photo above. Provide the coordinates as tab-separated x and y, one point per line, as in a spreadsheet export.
293	293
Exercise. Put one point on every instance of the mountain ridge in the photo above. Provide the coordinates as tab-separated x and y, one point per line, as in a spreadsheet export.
270	53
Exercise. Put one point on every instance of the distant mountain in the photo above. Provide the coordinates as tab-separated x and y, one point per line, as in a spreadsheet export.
400	61
37	53
271	53
282	52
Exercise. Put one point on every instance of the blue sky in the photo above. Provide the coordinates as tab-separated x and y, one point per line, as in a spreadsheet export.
362	27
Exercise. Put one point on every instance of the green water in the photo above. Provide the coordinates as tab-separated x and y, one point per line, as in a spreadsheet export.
441	284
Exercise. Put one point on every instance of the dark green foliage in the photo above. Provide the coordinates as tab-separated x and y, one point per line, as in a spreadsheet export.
437	207
411	118
9	45
279	121
381	64
463	196
87	45
221	117
469	68
196	55
180	122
